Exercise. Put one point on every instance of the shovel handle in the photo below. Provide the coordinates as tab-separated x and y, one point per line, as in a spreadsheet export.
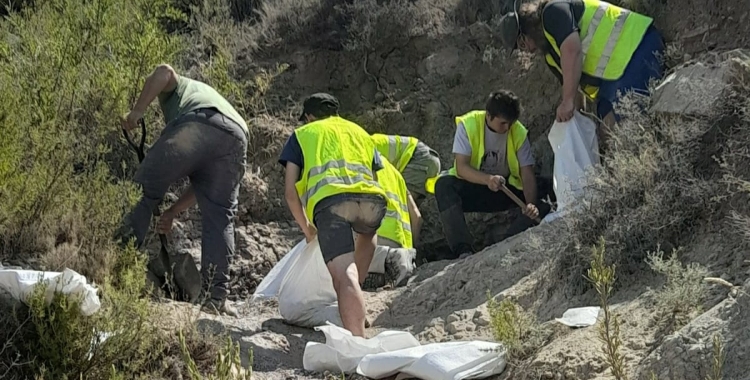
517	200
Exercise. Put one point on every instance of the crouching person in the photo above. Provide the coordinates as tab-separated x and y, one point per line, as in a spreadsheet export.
393	262
331	189
413	159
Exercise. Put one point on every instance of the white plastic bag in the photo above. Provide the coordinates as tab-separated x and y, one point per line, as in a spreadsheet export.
304	286
19	283
576	150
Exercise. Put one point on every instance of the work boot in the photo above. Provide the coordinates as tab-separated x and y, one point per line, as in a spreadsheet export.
218	307
399	266
456	232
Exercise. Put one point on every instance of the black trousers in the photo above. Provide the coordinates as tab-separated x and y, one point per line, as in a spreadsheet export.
456	196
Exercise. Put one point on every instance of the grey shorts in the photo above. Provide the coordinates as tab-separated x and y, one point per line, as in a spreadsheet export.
335	218
424	163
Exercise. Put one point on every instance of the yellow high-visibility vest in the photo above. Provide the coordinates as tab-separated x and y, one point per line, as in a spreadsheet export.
338	158
474	122
398	150
609	37
397	223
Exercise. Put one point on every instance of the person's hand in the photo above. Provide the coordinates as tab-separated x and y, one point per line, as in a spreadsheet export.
496	182
164	225
130	120
310	232
531	211
565	110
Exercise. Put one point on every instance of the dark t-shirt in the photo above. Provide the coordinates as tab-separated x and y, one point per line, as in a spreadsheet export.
560	18
292	152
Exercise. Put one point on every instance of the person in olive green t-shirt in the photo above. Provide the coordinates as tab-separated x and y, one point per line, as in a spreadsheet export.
204	139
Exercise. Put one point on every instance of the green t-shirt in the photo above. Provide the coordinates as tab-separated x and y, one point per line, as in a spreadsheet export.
190	95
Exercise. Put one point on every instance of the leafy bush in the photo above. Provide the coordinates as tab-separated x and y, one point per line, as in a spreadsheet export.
69	69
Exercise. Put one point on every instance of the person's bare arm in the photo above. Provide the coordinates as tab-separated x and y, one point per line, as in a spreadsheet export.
465	171
571	62
415	218
293	201
162	80
186	201
529	184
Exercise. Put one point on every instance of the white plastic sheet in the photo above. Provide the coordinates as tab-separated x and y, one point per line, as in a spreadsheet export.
580	316
398	352
19	283
576	150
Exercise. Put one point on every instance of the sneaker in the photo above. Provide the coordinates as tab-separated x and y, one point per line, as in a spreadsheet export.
219	307
399	266
373	281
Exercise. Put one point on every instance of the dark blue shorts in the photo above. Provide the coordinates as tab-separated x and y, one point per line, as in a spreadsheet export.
645	64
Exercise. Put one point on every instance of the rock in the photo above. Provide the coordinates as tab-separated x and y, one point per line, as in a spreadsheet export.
688	353
480	33
694	90
445	62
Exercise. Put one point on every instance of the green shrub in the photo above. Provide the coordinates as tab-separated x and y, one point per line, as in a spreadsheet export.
69	69
517	329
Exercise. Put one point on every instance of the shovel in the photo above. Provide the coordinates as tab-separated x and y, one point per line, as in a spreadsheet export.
517	200
183	268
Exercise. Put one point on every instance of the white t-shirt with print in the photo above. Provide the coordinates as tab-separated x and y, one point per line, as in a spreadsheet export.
494	159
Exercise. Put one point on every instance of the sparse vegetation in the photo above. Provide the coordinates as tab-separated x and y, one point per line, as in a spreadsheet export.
602	276
682	296
517	329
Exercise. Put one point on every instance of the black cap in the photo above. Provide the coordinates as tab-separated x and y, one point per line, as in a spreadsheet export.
319	105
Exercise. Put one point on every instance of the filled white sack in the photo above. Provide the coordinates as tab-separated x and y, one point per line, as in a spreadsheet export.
19	283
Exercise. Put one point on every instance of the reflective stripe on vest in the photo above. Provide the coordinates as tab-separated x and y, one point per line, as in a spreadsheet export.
337	155
396	224
398	150
474	123
609	36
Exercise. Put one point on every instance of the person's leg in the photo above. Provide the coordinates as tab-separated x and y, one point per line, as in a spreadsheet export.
331	218
456	196
173	156
646	64
216	185
424	164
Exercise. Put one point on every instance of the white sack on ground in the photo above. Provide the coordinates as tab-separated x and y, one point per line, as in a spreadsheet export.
576	150
398	352
304	287
19	283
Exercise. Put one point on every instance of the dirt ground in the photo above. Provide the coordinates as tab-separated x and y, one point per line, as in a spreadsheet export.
429	81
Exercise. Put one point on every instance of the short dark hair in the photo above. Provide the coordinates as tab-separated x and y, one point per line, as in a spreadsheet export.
505	104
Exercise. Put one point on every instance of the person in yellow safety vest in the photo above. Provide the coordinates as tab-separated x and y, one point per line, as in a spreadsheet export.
606	49
416	161
394	256
331	189
491	149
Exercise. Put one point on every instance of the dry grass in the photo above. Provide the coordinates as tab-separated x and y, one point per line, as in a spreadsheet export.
656	187
682	296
